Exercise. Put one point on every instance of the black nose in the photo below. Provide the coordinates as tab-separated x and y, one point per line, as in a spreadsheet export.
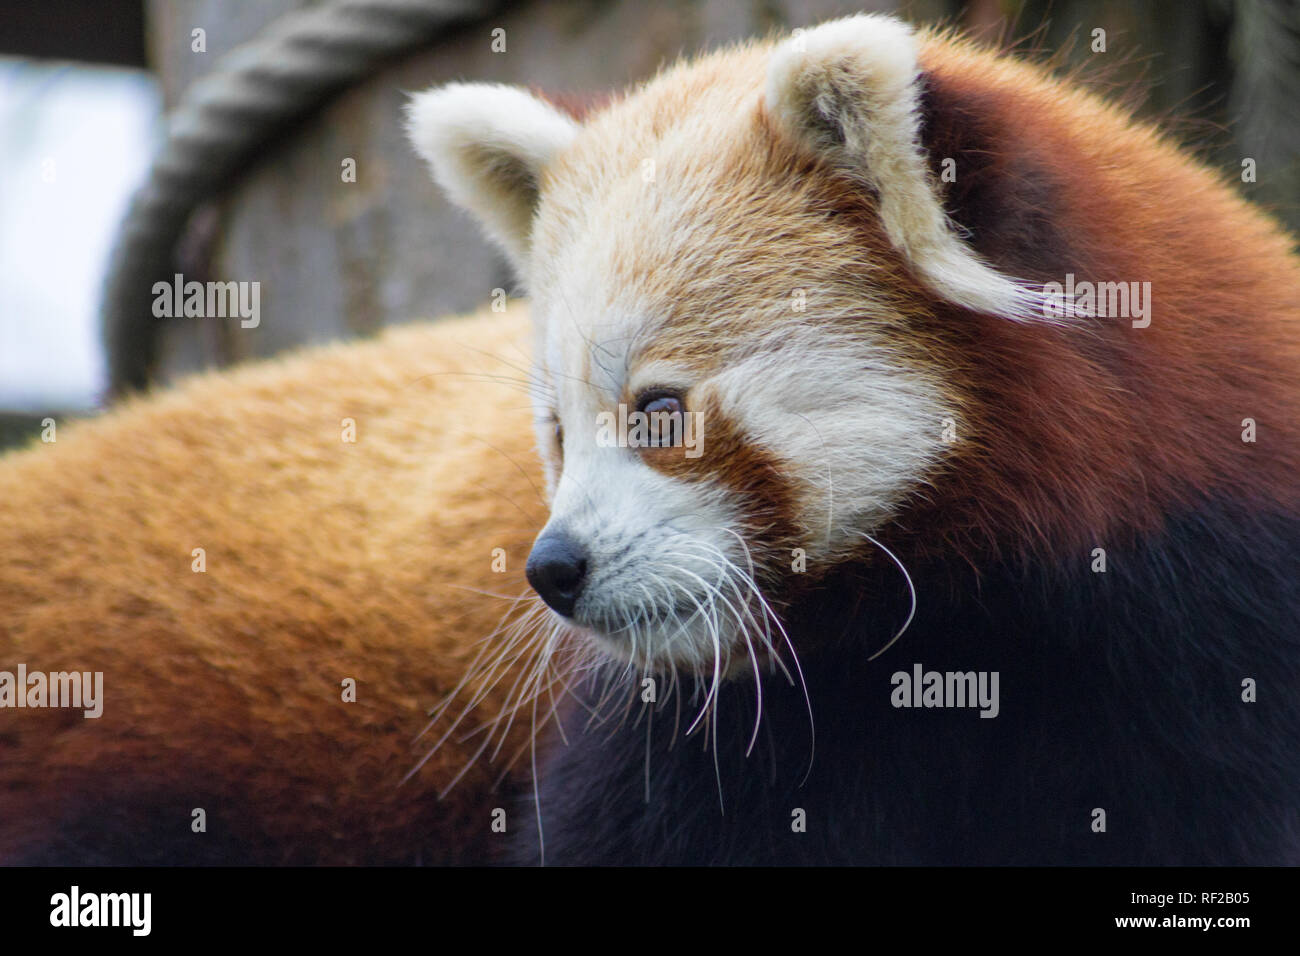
557	569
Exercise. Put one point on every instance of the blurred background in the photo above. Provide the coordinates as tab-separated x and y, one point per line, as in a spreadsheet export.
262	141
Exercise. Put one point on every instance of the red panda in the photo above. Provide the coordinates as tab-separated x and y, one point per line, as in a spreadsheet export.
986	548
277	571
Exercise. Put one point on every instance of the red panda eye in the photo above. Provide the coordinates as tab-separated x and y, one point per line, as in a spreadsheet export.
665	418
669	404
559	434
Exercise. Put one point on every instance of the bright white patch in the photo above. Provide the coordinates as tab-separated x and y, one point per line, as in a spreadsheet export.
853	428
487	145
850	89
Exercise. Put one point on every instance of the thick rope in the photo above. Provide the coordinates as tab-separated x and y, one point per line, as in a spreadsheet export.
227	117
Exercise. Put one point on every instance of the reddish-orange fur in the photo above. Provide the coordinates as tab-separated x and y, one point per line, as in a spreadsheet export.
1082	437
325	560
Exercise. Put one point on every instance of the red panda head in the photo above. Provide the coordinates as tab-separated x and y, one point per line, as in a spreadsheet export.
763	338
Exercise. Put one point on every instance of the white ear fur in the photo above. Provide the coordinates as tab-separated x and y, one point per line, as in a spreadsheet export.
850	90
487	145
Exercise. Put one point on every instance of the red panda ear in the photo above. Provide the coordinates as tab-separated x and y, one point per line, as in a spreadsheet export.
851	90
487	145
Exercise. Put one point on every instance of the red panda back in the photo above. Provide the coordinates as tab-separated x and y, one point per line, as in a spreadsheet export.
325	560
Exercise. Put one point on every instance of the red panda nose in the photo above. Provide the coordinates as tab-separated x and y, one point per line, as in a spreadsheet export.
557	569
